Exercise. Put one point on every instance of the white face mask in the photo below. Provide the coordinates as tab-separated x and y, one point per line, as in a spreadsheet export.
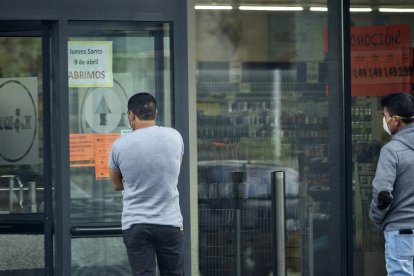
385	126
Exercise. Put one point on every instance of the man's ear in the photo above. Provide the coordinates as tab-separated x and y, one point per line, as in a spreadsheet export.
132	115
397	121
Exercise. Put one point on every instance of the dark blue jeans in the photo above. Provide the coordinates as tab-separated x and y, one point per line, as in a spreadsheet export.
144	242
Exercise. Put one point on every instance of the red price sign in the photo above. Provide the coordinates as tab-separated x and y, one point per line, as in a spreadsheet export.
381	60
388	66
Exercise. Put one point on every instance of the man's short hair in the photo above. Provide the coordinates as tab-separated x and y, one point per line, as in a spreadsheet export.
399	104
143	105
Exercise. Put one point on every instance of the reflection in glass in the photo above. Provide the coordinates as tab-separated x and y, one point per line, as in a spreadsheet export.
22	255
137	58
99	256
376	70
21	125
262	106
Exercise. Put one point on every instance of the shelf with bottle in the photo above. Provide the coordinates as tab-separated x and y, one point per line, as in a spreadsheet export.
313	169
361	120
315	150
299	118
250	105
233	128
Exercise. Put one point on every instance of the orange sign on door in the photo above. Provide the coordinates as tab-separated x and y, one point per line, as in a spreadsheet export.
82	150
92	150
103	143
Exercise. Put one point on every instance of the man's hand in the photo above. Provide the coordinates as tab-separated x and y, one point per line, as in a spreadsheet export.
116	179
384	199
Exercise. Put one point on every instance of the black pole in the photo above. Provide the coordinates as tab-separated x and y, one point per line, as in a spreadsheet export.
239	179
47	138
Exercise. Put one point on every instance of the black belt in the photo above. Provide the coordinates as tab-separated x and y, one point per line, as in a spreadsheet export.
406	231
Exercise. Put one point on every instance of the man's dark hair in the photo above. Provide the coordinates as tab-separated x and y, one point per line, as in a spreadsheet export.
143	105
400	104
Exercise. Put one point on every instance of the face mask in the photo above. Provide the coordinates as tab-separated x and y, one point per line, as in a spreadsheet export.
385	126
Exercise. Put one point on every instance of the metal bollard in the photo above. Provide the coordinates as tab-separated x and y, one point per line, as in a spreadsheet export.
239	187
278	222
32	196
11	194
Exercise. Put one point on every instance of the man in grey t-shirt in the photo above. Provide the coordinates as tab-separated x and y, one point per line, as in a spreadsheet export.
145	165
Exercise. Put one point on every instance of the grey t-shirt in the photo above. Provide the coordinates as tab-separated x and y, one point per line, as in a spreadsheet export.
149	160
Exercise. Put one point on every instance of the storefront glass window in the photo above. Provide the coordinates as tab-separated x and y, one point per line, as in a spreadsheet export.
264	104
381	63
99	256
21	151
22	255
21	125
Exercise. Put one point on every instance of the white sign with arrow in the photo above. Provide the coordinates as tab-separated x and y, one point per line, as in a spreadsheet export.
102	106
103	109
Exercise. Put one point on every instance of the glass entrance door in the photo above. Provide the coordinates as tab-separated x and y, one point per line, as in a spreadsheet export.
107	63
23	151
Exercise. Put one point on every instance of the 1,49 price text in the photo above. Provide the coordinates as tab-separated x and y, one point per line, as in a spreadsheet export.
383	72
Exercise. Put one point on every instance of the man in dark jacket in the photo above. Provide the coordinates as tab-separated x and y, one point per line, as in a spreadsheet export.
392	206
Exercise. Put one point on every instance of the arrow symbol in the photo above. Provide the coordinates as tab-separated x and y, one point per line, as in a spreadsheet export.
103	109
122	120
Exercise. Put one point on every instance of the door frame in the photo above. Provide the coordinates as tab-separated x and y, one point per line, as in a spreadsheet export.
63	228
55	17
37	223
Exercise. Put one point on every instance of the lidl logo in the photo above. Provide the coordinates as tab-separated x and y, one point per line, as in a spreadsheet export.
18	121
